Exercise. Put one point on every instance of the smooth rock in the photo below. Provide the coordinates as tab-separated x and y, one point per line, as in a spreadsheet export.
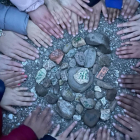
103	101
111	94
47	82
98	105
113	105
78	96
97	89
77	117
88	103
51	98
71	53
61	82
90	94
64	66
98	95
64	75
40	90
57	56
65	109
104	85
91	117
105	114
67	47
48	65
104	60
58	76
78	42
79	108
80	58
72	63
56	89
90	57
100	41
74	85
95	68
82	76
41	74
10	116
68	95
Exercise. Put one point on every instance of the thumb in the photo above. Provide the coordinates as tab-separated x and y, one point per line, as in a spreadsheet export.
104	11
10	109
55	131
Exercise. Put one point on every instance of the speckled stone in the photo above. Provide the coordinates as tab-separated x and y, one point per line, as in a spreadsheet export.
64	66
51	98
97	89
79	108
98	95
77	117
78	42
40	90
68	95
56	89
64	75
104	85
90	94
47	82
48	65
41	74
98	105
67	47
113	105
78	96
80	58
72	63
105	114
104	60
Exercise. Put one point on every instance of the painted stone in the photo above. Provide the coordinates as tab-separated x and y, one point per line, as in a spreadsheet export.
88	103
105	114
78	42
68	95
41	74
67	47
48	65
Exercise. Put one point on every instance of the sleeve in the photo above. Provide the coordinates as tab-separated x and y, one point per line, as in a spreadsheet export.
27	5
48	137
2	89
12	19
21	133
117	4
92	2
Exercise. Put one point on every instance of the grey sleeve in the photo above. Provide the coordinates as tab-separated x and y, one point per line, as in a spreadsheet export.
12	19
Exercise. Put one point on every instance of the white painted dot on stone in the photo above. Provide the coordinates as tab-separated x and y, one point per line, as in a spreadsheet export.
10	116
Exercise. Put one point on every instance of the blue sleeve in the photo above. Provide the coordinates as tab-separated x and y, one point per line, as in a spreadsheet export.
92	2
12	19
117	4
2	89
48	137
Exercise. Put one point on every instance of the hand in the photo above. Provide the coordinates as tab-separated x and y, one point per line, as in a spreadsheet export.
119	137
15	47
94	19
60	14
130	51
76	6
16	97
40	121
130	104
133	29
43	19
132	126
129	8
38	36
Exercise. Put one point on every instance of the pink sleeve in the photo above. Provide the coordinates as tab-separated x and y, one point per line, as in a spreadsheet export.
27	5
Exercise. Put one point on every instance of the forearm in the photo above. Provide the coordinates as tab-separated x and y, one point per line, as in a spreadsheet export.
117	4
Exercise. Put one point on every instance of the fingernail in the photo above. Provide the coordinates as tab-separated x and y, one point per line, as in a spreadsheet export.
85	28
52	111
30	104
48	106
46	46
138	95
91	10
133	90
129	17
122	76
117	97
106	15
23	70
115	116
52	122
119	115
15	112
109	130
19	84
95	28
122	14
125	110
119	80
118	103
25	76
131	67
39	105
100	128
70	20
121	94
105	127
121	85
125	16
34	99
89	31
114	124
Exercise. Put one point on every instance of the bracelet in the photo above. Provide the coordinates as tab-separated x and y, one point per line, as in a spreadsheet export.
138	1
1	33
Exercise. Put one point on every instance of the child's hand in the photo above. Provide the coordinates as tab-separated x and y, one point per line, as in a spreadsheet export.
43	18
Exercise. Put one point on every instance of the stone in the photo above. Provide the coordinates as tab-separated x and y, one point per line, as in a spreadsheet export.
54	81
80	58
67	47
71	53
82	76
77	117
97	89
72	63
10	116
91	117
58	76
65	109
113	105
87	103
102	73
78	42
79	108
95	68
73	83
98	105
40	90
48	65
56	89
104	85
103	101
105	114
89	94
78	96
99	53
104	60
98	95
47	82
90	57
64	66
57	56
61	82
41	74
111	94
64	75
100	41
51	98
68	95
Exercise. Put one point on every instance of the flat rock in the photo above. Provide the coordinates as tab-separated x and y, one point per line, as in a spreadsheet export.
71	53
47	82
104	85
67	47
100	41
68	95
41	74
91	117
98	95
90	57
64	75
65	109
40	90
104	60
48	65
78	42
80	58
79	108
111	94
87	103
72	63
64	66
95	68
73	83
113	105
51	98
56	89
77	117
89	94
105	114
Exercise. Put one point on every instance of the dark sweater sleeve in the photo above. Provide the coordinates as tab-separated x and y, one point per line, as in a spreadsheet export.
92	2
2	89
48	137
117	4
12	19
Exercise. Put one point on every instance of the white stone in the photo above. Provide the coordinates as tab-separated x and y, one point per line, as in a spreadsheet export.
103	101
10	116
77	117
98	105
105	114
97	88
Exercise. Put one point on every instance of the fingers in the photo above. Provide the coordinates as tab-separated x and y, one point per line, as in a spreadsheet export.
97	19
55	131
71	136
99	133
81	135
127	137
5	57
104	11
27	119
10	109
86	136
74	26
21	36
135	69
35	113
136	17
91	136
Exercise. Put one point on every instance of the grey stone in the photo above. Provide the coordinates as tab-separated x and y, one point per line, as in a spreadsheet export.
98	105
68	95
79	108
90	94
47	82
88	103
104	85
99	53
51	98
77	117
95	68
80	58
61	82
54	81
64	66
90	57
48	65
41	74
65	109
64	75
100	41
105	114
104	60
98	95
58	75
78	42
71	53
67	47
56	89
103	101
97	89
91	117
113	105
74	85
72	63
78	96
40	90
111	94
